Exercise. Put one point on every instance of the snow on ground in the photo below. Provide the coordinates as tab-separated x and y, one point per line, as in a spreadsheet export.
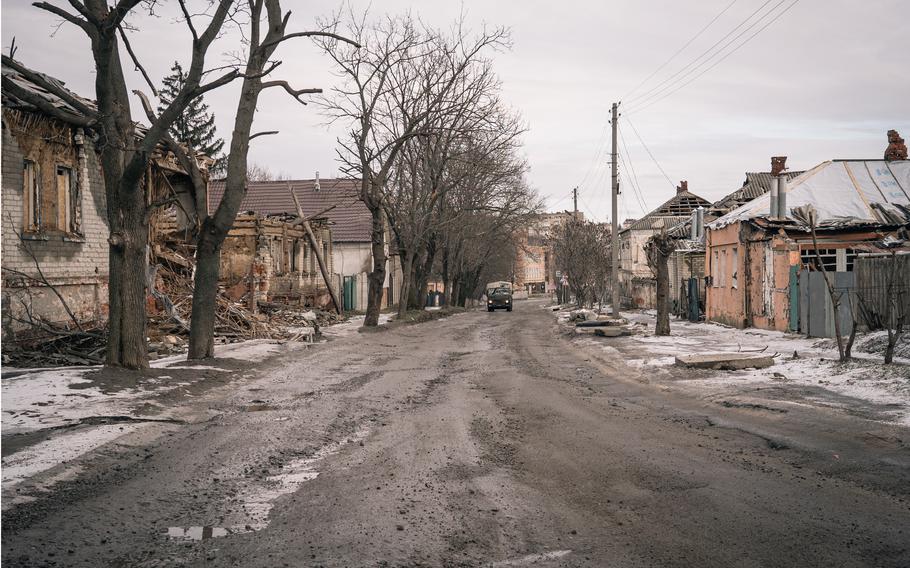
21	465
38	399
350	327
866	378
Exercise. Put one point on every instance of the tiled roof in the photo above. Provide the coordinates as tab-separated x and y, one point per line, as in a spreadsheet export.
351	220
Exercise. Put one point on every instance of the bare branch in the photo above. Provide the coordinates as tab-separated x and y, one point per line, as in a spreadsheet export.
189	20
264	133
311	34
41	277
57	11
139	67
296	93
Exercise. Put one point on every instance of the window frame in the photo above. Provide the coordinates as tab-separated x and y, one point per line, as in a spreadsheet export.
31	196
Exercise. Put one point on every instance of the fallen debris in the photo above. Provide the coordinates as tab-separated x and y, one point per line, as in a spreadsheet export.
725	361
612	332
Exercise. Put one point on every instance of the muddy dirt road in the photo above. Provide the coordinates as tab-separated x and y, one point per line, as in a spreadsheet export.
484	439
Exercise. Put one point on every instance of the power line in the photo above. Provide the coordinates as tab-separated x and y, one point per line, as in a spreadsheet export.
681	49
632	184
719	61
648	150
637	185
587	207
698	58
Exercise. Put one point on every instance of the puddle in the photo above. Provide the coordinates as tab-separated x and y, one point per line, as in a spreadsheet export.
197	533
259	499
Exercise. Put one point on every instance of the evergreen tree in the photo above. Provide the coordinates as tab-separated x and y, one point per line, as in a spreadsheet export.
196	126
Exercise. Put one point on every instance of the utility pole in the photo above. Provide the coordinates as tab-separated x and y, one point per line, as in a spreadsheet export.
575	200
615	235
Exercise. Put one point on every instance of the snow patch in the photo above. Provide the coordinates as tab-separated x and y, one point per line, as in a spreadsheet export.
58	450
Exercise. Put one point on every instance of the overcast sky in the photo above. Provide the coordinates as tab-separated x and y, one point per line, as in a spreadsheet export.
825	80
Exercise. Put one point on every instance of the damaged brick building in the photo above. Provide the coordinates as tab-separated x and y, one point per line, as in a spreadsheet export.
55	232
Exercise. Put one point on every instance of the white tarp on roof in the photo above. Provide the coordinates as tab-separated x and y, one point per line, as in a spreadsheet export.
838	190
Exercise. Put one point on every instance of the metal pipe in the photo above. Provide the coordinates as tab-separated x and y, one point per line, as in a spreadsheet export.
774	198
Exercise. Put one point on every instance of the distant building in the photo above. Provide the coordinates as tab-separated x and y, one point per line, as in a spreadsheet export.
535	267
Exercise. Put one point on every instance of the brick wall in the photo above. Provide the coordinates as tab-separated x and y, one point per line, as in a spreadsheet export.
76	266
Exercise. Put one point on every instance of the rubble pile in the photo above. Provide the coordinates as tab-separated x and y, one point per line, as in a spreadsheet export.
236	318
50	345
169	311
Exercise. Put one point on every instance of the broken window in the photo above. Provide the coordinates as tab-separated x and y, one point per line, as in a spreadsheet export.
833	259
295	256
277	250
734	279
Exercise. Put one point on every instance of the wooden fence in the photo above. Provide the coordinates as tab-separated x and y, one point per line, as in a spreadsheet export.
873	275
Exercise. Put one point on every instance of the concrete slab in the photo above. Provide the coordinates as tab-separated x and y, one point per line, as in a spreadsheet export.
612	332
725	361
602	323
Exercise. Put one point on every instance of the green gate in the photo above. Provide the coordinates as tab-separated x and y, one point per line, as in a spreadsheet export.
348	302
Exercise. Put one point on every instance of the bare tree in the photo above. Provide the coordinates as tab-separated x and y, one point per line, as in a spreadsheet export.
579	249
896	313
258	172
392	86
125	150
482	216
809	216
424	172
213	229
658	250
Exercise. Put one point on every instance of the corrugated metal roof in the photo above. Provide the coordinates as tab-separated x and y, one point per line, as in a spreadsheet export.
351	220
842	192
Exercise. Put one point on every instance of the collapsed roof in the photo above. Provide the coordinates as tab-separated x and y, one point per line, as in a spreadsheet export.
350	218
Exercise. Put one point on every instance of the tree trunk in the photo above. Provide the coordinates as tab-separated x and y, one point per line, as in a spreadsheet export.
422	287
127	283
663	296
205	290
406	281
376	277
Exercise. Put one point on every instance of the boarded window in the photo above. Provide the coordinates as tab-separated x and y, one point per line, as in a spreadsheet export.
32	195
49	204
64	198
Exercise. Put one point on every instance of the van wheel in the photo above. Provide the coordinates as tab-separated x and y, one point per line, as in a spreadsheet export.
509	309
489	309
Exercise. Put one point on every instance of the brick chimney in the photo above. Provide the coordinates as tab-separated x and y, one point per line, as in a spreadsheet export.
683	186
896	149
778	165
